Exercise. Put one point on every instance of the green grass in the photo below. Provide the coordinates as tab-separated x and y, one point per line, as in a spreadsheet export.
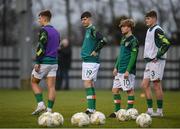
16	107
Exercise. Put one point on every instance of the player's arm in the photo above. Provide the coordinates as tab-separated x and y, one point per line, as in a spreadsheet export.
115	70
163	41
134	54
100	38
42	41
117	63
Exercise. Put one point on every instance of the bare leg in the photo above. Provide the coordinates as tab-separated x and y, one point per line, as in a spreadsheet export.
159	96
147	90
130	93
158	90
88	83
146	87
51	92
38	95
35	85
51	88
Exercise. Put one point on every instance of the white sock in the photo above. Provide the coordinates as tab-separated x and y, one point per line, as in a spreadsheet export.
40	104
91	110
49	110
150	109
159	110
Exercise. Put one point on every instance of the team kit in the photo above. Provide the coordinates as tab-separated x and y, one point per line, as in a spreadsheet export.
124	71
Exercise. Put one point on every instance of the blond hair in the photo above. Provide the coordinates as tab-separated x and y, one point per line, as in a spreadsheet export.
127	22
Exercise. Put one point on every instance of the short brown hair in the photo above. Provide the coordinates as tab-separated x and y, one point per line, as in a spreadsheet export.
46	13
127	22
151	13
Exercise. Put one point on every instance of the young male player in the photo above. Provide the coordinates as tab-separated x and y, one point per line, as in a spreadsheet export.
156	46
46	62
125	66
92	44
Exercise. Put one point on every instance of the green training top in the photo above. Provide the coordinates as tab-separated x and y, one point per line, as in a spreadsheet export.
93	41
126	60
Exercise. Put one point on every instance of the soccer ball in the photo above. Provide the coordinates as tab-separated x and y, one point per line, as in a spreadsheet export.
48	119
80	119
45	119
121	115
132	113
57	119
144	120
97	118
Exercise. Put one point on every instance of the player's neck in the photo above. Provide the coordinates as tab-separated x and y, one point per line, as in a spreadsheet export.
89	25
153	25
46	23
128	34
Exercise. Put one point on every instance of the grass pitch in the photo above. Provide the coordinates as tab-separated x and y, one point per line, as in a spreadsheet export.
16	107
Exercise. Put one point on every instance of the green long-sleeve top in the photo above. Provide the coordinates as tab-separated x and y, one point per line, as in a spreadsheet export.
93	41
126	60
42	41
161	42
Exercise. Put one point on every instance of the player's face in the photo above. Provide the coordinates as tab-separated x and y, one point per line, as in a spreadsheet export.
41	20
125	29
86	21
150	21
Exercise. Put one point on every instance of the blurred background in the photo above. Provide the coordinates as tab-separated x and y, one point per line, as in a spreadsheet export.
19	33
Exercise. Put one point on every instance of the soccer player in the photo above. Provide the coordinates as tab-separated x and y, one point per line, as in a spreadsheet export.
92	44
46	62
125	66
156	46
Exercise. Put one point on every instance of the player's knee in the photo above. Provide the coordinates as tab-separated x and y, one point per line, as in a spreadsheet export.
144	85
88	83
130	92
115	90
156	82
156	86
34	80
51	87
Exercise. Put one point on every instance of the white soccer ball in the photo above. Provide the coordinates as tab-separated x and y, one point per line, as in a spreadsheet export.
80	119
57	119
45	119
132	113
121	115
48	119
144	120
98	118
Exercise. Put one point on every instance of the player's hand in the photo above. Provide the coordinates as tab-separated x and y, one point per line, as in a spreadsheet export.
37	67
115	71
94	53
126	75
